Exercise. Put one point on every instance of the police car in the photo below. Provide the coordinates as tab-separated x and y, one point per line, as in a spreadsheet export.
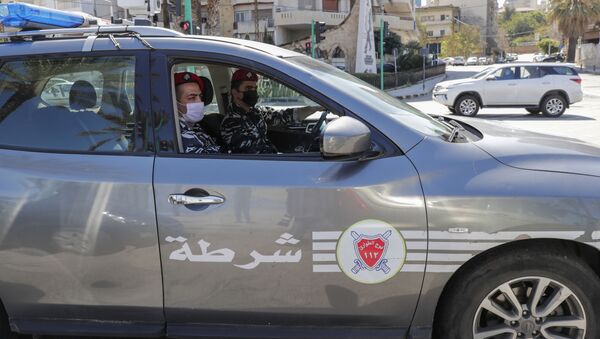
389	223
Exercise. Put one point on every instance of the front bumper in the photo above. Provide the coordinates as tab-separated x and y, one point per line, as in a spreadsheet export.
442	98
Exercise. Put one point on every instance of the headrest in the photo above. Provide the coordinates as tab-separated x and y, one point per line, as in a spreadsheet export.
82	95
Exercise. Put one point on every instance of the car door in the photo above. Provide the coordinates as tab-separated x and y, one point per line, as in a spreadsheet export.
500	87
78	236
532	85
272	239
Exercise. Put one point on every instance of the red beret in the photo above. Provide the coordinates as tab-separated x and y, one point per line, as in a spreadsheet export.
244	75
185	77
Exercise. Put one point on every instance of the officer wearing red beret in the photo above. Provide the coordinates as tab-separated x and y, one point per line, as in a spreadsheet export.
190	107
245	126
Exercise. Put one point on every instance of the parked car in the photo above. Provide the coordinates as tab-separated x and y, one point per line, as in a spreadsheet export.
482	61
554	58
540	87
472	61
511	57
500	60
538	57
373	219
458	61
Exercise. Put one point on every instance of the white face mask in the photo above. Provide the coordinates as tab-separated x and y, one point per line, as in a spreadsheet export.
195	112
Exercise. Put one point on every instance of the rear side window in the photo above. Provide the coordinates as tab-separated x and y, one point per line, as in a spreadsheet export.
69	104
558	70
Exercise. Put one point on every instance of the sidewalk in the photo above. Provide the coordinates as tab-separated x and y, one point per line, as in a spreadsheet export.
417	89
590	85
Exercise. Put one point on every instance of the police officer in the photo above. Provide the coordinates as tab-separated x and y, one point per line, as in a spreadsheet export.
244	128
190	107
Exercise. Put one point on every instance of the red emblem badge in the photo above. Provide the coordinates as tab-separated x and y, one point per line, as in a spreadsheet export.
370	251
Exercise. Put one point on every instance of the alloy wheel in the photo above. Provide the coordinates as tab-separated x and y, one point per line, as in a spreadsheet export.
530	308
468	107
554	106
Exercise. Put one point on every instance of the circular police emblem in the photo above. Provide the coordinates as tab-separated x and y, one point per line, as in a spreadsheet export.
371	251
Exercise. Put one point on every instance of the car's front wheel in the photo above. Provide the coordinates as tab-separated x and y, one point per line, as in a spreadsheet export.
467	105
522	294
554	106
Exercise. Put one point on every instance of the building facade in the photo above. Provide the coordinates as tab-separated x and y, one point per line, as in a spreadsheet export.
482	13
439	22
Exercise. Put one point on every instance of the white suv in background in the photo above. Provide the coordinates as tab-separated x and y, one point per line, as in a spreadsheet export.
543	87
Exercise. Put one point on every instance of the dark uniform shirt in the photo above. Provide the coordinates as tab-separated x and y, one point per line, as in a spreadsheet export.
195	140
247	132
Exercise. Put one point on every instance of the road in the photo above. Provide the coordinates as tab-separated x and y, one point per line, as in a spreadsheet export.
581	121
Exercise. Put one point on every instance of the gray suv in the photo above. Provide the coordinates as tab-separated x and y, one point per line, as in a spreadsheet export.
373	220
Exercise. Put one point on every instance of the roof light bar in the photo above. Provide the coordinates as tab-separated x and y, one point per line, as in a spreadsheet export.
28	17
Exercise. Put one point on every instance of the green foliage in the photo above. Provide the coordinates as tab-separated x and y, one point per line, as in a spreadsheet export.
522	24
522	39
544	43
463	43
390	42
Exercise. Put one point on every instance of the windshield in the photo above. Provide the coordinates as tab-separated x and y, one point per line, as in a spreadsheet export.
374	97
483	73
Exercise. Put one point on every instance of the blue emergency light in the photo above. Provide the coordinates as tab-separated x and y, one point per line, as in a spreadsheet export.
26	16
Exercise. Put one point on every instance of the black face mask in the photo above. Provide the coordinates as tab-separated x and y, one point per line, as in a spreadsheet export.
250	98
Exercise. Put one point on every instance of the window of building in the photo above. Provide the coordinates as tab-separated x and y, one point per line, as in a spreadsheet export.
68	104
331	5
241	16
442	32
429	33
306	4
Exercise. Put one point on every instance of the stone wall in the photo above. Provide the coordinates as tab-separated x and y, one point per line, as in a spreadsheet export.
590	57
342	37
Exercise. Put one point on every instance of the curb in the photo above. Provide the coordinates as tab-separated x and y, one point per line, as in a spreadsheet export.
404	97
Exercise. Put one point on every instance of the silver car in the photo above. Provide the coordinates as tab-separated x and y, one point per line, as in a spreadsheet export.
374	220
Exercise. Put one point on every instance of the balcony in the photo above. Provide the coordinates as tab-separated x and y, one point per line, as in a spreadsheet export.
243	27
300	18
396	23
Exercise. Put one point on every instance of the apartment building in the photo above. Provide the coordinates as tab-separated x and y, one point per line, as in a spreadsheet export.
482	13
439	22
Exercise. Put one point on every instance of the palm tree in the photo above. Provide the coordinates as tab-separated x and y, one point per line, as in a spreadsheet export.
573	18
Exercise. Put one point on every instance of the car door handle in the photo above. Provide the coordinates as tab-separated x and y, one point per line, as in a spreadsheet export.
182	199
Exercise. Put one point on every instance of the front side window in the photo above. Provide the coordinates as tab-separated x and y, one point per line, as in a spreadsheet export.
69	104
249	113
506	73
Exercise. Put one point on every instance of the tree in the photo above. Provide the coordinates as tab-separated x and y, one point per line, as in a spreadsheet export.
463	43
573	17
522	24
390	42
544	44
212	18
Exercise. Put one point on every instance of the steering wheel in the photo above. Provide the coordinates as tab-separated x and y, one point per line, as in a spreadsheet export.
316	131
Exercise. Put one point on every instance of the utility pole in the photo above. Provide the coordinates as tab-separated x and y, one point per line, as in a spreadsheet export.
381	53
256	29
165	13
312	38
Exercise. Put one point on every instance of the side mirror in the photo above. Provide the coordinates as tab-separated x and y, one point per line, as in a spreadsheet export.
490	78
345	138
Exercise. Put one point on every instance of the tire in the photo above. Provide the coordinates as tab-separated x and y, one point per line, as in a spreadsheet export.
463	311
533	110
4	325
553	106
467	105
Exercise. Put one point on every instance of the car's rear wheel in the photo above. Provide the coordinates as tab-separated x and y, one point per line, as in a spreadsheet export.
533	110
467	105
522	294
554	106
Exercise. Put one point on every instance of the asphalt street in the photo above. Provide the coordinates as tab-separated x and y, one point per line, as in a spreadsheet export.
580	121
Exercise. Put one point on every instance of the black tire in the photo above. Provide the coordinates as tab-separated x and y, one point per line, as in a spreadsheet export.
533	110
553	106
467	105
461	311
4	325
